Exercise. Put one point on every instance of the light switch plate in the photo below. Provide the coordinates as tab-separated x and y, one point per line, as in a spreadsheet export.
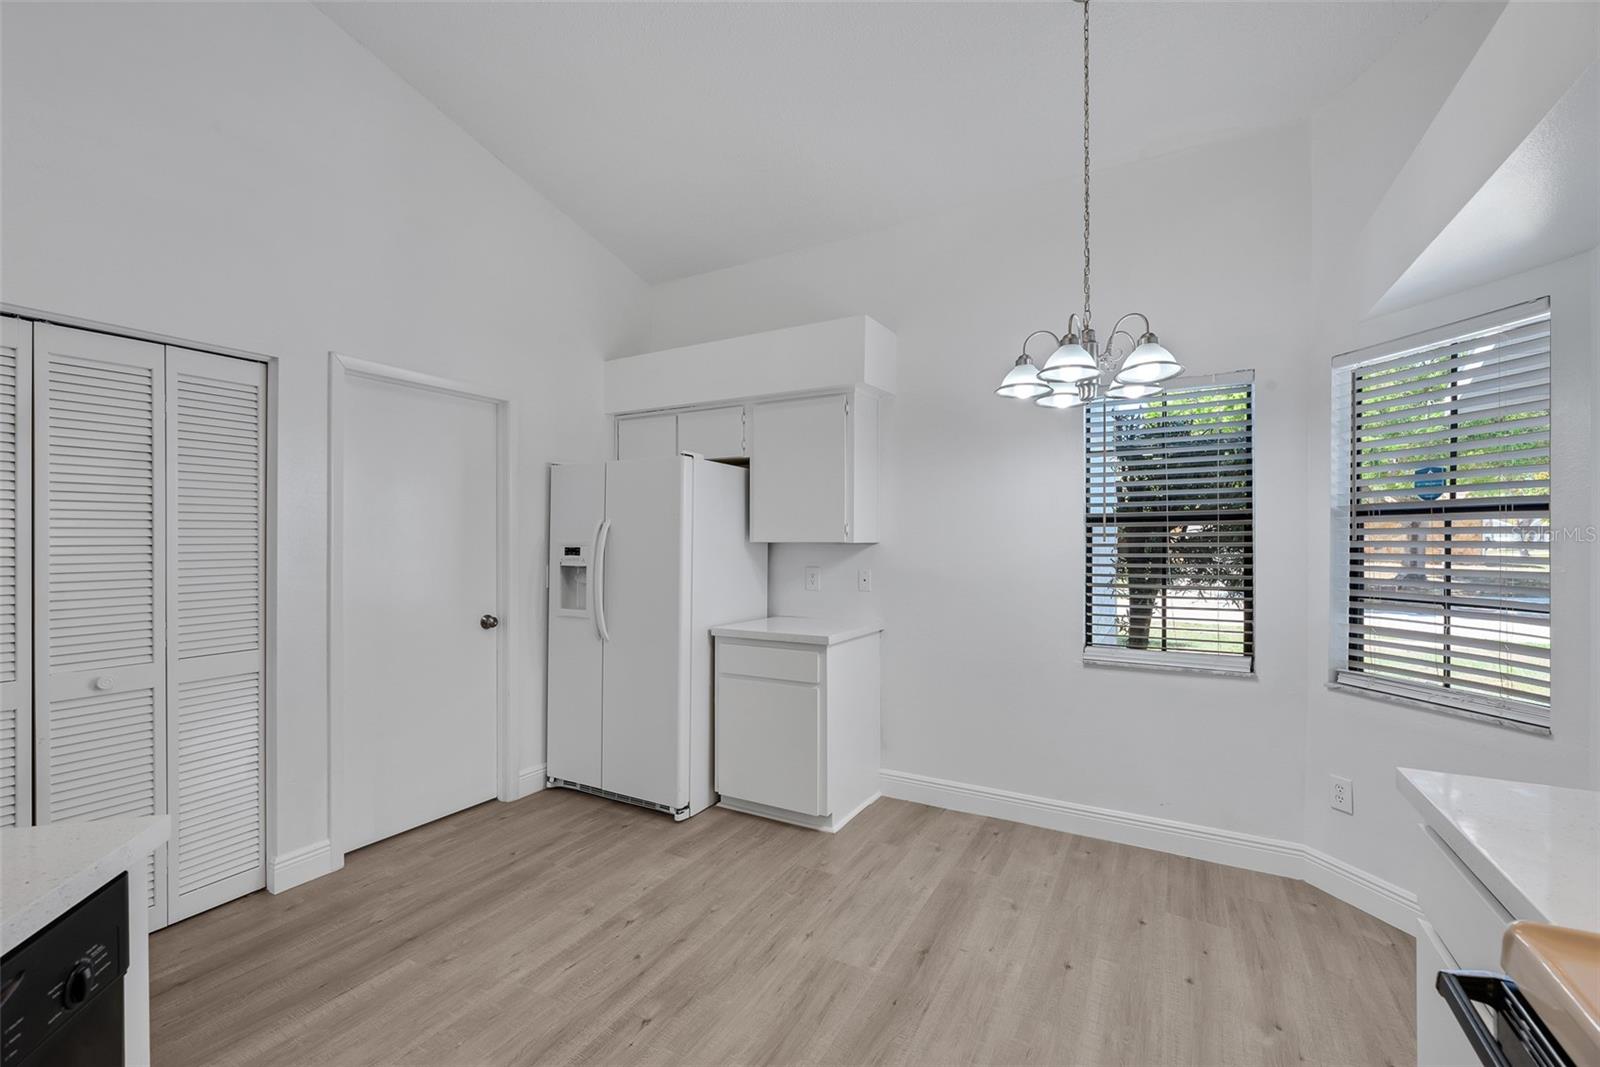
864	581
813	579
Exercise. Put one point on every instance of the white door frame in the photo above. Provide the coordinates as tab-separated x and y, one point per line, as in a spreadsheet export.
341	369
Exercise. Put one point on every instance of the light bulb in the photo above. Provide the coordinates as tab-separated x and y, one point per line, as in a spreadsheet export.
1061	398
1121	390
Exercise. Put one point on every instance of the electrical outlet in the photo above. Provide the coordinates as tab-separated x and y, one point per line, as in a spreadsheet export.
813	579
864	581
1341	794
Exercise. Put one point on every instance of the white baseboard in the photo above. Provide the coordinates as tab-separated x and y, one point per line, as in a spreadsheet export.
530	780
1252	852
1362	889
299	866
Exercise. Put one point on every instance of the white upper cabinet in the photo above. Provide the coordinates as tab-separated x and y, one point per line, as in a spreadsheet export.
814	469
715	433
800	404
647	436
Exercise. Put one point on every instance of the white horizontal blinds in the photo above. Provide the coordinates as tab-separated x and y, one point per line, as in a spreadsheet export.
1447	489
1170	520
99	582
16	627
216	409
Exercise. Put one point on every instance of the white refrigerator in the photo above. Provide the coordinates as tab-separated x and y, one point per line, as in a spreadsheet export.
646	555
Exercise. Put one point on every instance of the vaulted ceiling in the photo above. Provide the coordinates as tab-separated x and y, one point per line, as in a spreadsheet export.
688	137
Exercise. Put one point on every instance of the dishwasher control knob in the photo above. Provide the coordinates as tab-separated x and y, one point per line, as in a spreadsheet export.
75	990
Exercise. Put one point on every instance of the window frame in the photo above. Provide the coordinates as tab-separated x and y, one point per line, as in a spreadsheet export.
1238	665
1523	715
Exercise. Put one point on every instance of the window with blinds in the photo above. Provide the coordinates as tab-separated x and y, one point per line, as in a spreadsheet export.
1170	524
1442	486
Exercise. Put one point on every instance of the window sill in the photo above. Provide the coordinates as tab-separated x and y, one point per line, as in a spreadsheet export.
1176	662
1378	691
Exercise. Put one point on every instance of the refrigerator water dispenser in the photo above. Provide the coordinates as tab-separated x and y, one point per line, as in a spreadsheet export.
573	597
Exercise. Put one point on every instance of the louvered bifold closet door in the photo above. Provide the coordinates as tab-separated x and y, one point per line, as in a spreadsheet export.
99	583
16	534
216	456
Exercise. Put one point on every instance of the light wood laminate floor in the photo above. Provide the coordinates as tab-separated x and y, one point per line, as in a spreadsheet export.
567	928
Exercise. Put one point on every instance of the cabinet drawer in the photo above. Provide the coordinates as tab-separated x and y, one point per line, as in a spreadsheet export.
769	744
1469	920
768	661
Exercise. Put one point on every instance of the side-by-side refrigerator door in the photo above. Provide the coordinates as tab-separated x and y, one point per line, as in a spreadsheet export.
646	565
574	700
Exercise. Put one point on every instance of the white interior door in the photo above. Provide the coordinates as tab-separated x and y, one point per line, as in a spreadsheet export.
645	581
99	583
419	680
216	505
16	534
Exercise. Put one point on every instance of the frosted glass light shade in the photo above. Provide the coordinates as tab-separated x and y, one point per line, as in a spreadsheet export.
1130	391
1022	382
1148	363
1070	363
1062	397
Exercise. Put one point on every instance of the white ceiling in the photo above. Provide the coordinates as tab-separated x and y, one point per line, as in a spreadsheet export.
688	137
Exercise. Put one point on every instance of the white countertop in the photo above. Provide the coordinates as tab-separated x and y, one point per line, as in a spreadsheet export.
1536	847
795	630
45	870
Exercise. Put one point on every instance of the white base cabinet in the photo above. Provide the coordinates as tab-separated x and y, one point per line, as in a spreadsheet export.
1461	926
797	720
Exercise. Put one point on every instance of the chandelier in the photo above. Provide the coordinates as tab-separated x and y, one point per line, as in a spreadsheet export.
1079	371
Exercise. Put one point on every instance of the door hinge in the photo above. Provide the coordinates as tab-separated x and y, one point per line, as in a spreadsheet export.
847	529
847	405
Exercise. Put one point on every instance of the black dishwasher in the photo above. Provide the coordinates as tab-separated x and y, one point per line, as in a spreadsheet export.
61	990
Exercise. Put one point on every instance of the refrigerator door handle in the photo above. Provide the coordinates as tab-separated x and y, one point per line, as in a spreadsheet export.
602	533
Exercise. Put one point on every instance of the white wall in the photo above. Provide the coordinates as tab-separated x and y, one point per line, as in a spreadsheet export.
1247	255
1365	739
1362	140
979	579
248	176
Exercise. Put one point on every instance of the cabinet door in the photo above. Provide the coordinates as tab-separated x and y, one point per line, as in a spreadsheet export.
100	675
1440	1040
769	743
216	472
16	534
715	433
800	470
647	436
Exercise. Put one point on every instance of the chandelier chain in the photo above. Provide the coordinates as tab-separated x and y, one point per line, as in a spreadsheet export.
1085	162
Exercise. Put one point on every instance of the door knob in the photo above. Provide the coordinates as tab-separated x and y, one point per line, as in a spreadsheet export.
488	622
103	682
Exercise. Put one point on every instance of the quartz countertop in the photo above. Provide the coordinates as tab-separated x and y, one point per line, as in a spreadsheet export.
45	870
795	630
1536	847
